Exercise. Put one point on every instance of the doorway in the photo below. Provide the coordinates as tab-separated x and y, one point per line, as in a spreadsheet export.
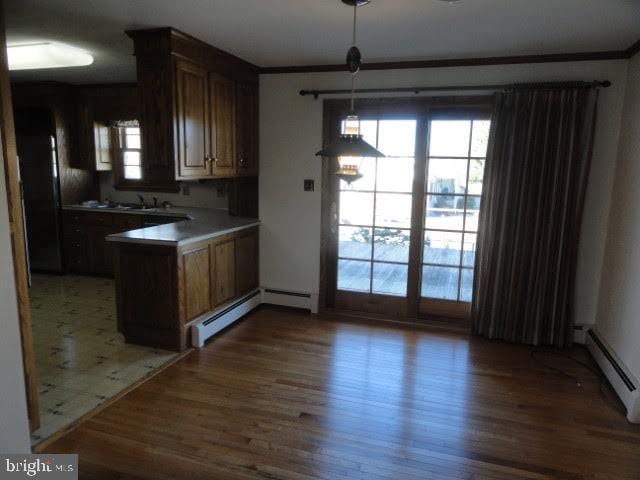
401	240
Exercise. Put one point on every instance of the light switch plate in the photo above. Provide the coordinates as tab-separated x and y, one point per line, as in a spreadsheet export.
309	185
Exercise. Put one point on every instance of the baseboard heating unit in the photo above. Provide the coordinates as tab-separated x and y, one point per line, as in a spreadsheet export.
623	382
308	301
208	326
223	317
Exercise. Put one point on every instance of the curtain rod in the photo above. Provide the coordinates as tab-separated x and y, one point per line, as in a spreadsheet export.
451	88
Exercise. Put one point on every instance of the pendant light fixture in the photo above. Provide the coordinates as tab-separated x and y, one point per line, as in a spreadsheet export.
350	148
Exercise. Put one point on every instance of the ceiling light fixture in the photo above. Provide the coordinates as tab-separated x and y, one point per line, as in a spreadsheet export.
350	147
32	56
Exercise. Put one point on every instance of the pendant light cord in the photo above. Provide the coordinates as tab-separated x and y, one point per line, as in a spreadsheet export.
353	75
353	91
355	16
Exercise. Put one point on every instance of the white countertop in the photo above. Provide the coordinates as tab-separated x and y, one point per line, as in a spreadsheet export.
198	224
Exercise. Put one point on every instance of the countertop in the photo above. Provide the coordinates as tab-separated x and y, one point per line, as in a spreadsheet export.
192	225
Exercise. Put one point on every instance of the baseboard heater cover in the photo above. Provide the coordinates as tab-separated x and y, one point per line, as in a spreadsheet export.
224	317
622	381
307	301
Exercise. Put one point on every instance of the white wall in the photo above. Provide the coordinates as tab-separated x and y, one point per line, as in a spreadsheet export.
618	320
209	194
14	427
291	132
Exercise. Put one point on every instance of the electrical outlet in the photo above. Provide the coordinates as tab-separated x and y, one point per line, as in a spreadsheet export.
309	185
186	189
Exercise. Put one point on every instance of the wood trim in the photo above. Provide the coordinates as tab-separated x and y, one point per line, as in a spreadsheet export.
463	62
633	50
158	42
328	254
387	305
444	309
14	203
417	213
423	322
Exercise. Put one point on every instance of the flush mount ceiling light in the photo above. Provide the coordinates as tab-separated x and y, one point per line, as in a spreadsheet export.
350	147
31	56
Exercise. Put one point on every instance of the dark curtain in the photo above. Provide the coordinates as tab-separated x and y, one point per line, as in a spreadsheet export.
535	181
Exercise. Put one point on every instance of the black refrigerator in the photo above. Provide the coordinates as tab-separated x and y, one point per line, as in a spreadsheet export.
37	157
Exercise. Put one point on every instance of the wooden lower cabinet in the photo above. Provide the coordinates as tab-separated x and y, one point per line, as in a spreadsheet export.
146	295
246	259
196	280
196	272
85	249
99	252
224	271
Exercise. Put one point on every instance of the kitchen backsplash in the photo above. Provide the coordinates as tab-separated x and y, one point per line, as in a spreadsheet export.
204	194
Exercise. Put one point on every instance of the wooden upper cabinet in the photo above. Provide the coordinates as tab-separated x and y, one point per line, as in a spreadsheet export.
84	157
95	108
247	128
192	121
198	109
222	105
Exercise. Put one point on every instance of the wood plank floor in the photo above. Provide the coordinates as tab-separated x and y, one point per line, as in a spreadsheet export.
286	395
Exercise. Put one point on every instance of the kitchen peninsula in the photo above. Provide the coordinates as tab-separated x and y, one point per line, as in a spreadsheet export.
172	276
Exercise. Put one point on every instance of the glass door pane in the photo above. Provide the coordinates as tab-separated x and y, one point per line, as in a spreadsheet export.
375	213
455	171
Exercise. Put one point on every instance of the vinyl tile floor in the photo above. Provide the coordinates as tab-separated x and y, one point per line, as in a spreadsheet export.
81	359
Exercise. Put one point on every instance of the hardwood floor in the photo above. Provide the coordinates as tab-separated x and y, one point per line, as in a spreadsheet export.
287	395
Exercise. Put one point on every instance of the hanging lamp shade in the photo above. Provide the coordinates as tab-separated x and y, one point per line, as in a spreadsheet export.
349	146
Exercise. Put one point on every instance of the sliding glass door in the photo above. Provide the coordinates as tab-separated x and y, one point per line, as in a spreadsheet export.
401	240
375	213
455	170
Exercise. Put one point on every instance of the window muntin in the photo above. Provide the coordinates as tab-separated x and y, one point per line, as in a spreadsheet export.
455	171
130	149
375	213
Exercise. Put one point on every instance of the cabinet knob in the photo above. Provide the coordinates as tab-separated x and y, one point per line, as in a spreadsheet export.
241	160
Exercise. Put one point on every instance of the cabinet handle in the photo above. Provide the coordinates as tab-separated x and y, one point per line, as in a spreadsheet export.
241	161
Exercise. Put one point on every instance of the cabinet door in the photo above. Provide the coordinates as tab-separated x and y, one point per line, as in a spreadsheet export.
247	261
222	103
102	138
192	122
84	155
196	266
247	128
224	272
158	122
76	256
100	255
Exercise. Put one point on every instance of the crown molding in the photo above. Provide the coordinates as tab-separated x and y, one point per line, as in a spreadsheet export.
633	49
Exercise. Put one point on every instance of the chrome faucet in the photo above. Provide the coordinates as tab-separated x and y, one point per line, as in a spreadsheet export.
141	200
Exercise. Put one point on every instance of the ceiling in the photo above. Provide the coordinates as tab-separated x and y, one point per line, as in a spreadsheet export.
311	32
